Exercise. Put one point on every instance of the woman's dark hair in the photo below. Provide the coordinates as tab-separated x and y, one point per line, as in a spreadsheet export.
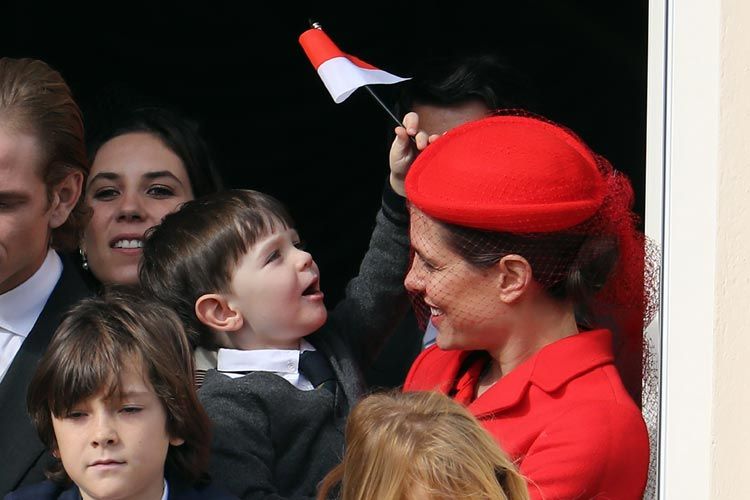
95	340
569	265
179	133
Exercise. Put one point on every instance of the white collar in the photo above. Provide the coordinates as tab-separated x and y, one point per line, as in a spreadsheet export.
165	495
21	306
262	360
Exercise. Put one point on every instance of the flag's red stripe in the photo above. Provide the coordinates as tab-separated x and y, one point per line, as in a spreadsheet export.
359	62
319	48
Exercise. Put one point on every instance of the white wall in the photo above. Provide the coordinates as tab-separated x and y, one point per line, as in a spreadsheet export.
706	244
731	404
690	231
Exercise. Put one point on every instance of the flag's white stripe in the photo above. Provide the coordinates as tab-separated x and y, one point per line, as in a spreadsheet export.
342	77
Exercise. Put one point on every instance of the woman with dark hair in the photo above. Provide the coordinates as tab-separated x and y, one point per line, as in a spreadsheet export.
144	164
520	233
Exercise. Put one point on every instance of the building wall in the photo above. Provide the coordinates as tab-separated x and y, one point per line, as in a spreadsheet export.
730	434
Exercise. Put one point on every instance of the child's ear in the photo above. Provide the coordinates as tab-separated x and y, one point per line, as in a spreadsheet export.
514	277
214	311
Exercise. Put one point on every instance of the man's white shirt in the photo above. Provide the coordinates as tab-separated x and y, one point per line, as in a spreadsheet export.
21	307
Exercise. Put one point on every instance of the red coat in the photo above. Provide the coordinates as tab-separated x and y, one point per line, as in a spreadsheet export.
562	415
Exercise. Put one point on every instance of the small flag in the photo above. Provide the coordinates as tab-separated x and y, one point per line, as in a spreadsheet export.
341	73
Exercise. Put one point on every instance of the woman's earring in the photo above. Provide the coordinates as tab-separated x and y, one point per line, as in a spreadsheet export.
84	260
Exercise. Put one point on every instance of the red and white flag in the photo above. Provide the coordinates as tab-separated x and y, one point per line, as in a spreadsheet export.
341	73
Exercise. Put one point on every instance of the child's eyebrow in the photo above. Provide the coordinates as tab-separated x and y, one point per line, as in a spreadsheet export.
129	393
275	239
270	242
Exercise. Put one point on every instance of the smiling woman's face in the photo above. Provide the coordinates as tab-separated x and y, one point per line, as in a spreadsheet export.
135	181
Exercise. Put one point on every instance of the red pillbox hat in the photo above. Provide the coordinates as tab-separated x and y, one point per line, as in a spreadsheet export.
508	173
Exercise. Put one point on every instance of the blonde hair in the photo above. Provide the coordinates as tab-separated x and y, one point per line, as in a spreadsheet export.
399	443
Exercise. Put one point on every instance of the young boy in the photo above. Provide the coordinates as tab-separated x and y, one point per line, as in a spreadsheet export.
232	266
113	400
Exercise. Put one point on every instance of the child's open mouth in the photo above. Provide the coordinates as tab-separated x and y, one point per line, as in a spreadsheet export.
313	290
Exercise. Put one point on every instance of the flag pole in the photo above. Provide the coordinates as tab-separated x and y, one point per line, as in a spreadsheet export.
383	105
388	110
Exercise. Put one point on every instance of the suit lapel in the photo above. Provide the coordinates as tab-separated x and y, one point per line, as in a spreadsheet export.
20	447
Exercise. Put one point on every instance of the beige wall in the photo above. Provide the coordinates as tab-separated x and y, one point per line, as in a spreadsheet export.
731	404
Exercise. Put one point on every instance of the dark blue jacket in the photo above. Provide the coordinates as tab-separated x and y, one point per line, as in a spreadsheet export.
52	491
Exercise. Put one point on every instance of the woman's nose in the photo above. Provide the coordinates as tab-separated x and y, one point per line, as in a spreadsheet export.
414	281
131	208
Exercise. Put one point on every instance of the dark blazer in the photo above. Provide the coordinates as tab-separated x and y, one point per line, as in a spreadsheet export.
22	455
51	491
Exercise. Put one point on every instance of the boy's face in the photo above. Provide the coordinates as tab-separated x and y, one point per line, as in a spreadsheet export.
115	447
276	288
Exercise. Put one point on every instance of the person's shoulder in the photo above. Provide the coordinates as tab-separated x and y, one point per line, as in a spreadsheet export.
75	283
46	490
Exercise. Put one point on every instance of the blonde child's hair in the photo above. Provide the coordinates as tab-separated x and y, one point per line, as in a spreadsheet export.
402	443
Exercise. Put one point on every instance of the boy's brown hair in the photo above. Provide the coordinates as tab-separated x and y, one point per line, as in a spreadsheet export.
98	337
34	99
195	250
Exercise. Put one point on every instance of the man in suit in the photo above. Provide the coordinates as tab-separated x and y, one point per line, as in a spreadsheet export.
43	166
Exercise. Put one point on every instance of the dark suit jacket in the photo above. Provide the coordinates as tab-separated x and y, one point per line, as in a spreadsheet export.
23	457
51	491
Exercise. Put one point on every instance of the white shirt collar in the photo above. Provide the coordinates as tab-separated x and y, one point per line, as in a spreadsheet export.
21	306
165	495
262	360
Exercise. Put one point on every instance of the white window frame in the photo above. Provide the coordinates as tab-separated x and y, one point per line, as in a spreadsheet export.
680	215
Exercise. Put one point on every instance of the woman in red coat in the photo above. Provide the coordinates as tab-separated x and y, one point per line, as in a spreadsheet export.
522	237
